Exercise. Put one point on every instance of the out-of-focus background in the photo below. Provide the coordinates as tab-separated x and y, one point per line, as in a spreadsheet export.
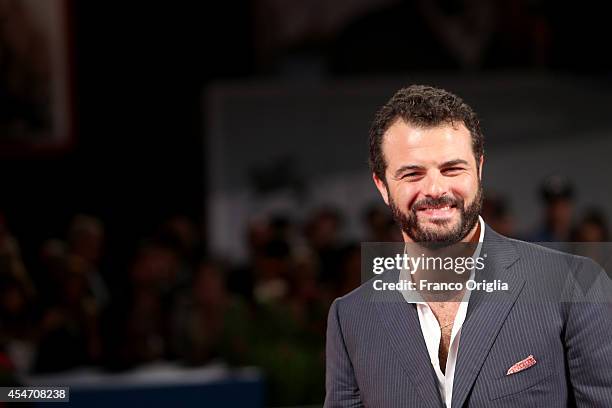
185	187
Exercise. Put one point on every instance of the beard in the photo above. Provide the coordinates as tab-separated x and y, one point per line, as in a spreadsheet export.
409	222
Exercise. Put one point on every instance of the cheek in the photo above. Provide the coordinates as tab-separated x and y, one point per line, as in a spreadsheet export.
465	187
405	194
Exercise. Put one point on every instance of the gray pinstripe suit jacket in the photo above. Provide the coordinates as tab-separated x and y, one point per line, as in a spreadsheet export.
557	309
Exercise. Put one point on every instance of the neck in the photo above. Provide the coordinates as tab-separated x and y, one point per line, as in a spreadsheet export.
474	235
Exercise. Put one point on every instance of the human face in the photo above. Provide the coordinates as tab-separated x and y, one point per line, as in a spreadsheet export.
432	182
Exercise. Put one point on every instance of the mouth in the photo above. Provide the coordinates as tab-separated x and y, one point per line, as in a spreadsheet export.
437	211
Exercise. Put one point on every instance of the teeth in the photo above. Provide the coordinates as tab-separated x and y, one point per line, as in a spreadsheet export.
438	208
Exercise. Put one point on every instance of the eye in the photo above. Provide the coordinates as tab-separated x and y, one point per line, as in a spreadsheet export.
411	175
452	170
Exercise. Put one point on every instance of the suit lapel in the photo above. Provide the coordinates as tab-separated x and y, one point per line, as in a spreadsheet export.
486	313
401	323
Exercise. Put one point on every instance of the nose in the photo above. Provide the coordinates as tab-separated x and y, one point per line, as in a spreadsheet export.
434	185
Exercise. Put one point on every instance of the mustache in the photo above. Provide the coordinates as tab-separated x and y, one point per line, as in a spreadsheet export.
439	202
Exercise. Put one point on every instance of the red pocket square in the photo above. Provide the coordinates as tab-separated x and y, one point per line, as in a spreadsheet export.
522	365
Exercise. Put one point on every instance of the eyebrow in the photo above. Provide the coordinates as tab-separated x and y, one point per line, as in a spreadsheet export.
449	163
455	162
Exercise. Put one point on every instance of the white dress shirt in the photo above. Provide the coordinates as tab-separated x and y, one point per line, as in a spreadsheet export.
432	333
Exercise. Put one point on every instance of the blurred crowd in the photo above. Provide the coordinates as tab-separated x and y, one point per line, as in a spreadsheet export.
66	309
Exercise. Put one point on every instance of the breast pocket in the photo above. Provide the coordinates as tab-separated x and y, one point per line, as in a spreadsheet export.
520	381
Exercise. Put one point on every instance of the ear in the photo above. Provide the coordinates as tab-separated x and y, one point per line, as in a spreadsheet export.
480	167
382	188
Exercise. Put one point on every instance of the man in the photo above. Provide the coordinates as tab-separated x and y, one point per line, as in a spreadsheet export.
543	342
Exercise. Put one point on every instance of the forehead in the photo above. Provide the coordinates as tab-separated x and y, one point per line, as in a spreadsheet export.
408	144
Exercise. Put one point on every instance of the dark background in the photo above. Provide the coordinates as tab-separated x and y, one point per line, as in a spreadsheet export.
139	71
139	74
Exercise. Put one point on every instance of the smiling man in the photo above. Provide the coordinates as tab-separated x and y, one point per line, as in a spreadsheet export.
440	181
537	344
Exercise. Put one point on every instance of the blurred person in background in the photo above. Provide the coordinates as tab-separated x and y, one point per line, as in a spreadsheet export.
590	238
270	243
270	272
10	254
557	195
288	301
322	232
495	212
153	288
307	300
86	241
17	321
350	270
69	328
180	233
380	226
208	322
376	220
287	342
17	306
592	227
241	279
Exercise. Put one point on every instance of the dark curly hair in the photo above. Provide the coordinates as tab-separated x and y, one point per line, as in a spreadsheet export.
422	106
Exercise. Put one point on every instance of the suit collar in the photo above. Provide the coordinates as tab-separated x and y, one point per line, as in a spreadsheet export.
486	312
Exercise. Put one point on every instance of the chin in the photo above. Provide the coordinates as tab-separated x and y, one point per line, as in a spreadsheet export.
447	224
440	234
440	229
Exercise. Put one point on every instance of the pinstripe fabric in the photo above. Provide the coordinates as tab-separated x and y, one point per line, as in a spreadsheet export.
376	355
